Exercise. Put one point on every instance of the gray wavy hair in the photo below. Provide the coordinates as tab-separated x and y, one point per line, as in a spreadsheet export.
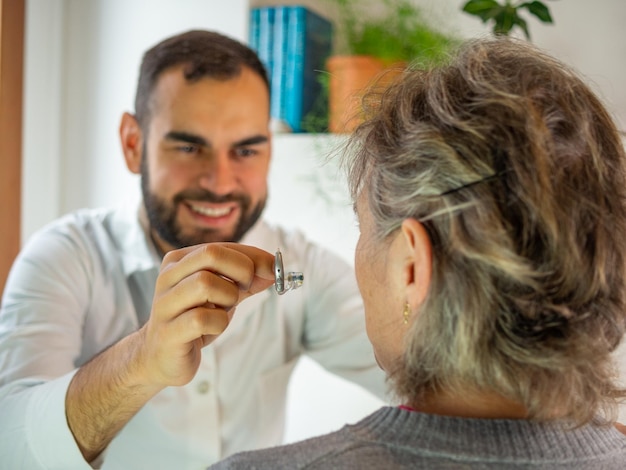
517	172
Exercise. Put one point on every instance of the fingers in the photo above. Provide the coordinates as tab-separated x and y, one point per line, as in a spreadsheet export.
263	270
213	257
198	289
221	274
263	261
200	322
195	296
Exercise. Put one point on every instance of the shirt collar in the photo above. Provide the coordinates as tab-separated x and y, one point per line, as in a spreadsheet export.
138	250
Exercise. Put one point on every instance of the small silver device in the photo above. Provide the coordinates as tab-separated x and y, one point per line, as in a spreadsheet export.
285	282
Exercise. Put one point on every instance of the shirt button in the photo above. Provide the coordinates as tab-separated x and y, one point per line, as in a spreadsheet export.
203	387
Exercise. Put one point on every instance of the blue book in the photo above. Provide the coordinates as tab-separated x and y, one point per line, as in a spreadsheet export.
279	63
266	33
253	30
309	43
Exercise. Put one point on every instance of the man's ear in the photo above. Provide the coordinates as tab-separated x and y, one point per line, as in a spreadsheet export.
132	142
418	269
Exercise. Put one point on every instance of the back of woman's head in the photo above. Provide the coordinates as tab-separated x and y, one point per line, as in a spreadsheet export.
516	170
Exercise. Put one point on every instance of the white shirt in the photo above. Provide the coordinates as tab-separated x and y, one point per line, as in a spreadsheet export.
87	280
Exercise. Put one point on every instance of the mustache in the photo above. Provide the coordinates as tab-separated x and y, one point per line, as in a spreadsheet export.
208	196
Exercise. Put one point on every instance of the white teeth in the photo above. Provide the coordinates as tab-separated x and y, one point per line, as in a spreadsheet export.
211	212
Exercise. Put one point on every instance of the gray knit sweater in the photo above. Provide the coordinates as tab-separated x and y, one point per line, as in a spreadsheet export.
392	438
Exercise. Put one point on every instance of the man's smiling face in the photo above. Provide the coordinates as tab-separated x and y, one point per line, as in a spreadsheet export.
205	158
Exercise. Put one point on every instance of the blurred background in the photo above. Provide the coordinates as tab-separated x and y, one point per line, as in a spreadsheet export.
81	60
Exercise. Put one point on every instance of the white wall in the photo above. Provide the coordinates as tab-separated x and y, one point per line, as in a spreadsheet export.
42	125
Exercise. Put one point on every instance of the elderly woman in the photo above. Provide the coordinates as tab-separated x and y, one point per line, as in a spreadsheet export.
490	194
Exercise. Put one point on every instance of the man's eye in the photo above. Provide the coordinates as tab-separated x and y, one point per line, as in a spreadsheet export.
188	148
245	152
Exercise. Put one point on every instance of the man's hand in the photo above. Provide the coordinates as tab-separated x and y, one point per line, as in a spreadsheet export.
195	297
196	294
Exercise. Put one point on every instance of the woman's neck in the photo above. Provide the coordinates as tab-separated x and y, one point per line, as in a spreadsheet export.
470	405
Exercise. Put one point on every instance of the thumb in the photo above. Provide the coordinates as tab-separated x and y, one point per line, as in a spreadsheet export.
263	268
259	284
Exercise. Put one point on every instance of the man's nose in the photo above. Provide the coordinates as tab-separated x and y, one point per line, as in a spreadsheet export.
218	174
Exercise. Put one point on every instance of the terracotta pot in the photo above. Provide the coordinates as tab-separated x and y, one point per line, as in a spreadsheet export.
350	77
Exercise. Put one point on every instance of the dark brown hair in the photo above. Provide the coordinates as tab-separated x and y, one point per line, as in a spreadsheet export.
203	53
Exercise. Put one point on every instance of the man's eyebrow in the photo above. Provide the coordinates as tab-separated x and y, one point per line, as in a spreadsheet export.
186	137
181	136
257	139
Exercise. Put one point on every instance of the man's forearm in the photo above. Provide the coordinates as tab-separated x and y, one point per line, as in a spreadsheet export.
105	394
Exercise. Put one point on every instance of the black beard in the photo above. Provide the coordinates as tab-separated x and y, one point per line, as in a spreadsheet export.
162	215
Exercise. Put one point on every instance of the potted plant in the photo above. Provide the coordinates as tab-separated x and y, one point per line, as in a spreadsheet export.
375	40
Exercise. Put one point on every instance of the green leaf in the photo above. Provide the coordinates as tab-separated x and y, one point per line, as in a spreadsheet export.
521	22
485	9
538	9
476	5
505	20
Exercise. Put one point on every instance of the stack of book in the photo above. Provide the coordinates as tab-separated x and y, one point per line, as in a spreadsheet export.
293	43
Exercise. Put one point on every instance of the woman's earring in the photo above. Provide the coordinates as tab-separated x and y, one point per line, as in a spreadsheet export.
406	312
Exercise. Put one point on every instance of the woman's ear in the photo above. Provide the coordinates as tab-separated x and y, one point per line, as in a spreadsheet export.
418	268
132	142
